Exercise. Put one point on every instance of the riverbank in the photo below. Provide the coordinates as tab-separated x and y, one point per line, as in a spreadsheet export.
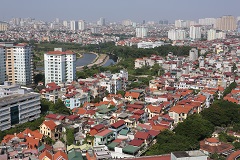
98	61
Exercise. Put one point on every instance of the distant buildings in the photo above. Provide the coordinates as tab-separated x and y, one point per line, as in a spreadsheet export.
207	21
101	22
215	34
226	23
73	25
59	66
195	32
141	32
3	26
81	25
127	22
16	63
17	105
177	34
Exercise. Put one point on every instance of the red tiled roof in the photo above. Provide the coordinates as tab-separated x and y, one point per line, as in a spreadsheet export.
72	117
134	95
136	142
142	135
104	132
118	124
234	155
55	116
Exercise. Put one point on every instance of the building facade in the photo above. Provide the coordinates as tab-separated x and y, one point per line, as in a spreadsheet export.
195	32
18	63
59	66
177	34
226	23
17	105
141	32
3	26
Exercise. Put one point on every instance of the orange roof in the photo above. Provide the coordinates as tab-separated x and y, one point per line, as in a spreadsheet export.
159	127
154	109
235	91
181	109
45	154
212	140
32	142
7	138
50	124
233	155
132	94
37	134
230	99
60	155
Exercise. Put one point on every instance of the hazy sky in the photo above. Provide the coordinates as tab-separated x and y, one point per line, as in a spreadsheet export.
118	10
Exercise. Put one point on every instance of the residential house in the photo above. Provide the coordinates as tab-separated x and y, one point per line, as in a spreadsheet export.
117	127
103	137
50	128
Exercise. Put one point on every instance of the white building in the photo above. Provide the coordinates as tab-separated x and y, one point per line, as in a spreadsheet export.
73	25
150	44
127	22
141	32
59	66
215	34
17	105
16	63
81	25
193	54
177	34
207	21
101	22
195	32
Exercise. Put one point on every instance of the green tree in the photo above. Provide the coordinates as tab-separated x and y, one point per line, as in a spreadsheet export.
122	92
195	127
229	88
59	107
70	136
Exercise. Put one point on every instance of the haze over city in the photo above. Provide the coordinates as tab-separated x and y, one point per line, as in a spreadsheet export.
136	10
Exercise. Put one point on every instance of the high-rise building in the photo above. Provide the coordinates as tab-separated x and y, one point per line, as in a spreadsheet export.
101	22
207	21
3	26
127	22
73	25
59	66
65	24
215	34
177	34
195	32
141	32
17	105
226	23
193	54
81	25
18	63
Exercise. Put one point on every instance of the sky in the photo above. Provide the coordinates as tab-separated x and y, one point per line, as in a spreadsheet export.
118	10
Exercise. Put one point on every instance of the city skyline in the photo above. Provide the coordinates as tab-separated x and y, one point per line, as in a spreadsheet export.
136	10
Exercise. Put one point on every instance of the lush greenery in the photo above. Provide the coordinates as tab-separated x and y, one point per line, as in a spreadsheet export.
70	136
185	136
195	127
58	107
229	88
168	141
222	113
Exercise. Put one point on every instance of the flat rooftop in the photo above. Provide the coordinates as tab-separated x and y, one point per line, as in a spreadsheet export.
16	98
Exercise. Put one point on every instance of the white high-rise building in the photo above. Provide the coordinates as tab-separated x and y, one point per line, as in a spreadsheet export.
141	32
215	34
101	22
177	34
59	66
73	25
65	24
127	22
207	21
195	32
211	34
81	25
17	60
193	54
